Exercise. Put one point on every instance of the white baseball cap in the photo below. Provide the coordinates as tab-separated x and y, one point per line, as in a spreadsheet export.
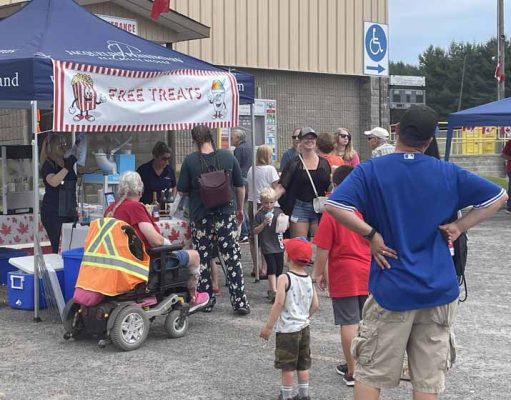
378	132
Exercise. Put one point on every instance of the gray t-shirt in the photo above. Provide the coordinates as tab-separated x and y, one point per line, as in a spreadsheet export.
270	241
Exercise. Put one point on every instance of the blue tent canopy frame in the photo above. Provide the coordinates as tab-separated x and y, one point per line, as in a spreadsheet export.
496	113
62	30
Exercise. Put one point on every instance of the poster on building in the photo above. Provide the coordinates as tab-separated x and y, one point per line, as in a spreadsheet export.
126	24
265	118
99	99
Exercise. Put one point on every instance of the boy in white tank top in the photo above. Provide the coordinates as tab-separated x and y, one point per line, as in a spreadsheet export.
296	300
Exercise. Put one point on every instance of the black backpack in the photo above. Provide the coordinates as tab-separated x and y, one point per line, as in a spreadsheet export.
460	259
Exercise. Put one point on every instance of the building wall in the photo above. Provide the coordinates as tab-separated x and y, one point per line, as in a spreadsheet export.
297	35
484	165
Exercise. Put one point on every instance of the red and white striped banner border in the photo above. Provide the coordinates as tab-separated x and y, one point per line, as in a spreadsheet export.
58	96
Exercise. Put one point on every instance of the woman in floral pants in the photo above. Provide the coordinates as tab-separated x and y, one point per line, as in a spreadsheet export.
215	227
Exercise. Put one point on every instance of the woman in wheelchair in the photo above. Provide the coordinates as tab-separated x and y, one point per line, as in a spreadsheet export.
128	208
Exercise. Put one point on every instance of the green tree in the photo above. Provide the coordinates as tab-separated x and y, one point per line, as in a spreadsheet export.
443	70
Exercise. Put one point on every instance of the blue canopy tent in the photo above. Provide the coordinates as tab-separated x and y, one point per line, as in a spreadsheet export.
46	30
496	113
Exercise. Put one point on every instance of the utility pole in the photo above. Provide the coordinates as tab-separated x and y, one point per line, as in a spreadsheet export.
501	49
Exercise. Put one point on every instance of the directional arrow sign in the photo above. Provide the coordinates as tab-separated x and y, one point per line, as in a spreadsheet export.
376	46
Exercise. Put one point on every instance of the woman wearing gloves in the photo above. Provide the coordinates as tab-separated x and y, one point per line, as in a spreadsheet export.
59	202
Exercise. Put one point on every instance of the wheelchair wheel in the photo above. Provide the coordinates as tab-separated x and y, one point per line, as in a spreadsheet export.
176	324
130	328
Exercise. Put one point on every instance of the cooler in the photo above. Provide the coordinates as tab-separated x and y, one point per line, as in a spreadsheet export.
72	260
20	285
5	267
20	290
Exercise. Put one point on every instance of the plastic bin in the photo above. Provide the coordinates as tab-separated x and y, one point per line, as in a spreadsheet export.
5	267
20	290
72	260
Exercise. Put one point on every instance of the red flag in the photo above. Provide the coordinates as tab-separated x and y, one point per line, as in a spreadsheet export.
499	73
159	6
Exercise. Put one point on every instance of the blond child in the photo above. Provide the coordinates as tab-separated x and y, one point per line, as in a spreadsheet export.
270	241
295	302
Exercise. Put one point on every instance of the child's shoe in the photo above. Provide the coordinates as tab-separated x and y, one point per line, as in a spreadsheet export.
271	296
201	300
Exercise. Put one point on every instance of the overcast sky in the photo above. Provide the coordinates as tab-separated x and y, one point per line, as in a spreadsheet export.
416	24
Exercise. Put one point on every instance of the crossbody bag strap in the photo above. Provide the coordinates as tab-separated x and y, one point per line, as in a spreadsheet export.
309	175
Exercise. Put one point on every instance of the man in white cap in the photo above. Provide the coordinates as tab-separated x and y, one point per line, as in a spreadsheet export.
377	140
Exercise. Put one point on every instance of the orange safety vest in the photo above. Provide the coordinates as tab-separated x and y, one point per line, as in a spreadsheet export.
108	266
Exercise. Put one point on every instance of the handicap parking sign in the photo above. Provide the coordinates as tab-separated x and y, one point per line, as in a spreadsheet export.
376	54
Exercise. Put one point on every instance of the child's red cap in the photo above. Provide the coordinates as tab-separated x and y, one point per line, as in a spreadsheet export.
298	250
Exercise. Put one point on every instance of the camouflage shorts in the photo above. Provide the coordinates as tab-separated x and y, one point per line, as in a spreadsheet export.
292	350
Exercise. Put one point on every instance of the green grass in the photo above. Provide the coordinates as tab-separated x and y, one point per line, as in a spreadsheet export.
499	181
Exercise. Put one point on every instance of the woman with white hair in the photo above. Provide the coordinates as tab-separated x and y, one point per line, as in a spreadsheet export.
129	209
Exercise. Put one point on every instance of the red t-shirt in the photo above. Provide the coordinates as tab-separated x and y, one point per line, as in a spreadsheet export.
507	151
349	257
133	212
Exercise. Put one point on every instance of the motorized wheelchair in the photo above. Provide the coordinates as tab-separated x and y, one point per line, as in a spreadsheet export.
124	320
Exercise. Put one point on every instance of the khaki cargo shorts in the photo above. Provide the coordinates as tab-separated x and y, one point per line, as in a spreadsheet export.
383	336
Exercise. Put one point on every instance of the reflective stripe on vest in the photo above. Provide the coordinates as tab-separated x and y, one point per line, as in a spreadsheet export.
113	262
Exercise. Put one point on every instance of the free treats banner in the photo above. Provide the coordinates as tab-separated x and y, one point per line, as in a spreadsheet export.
99	99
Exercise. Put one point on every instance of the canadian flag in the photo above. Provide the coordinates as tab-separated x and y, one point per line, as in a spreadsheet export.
499	73
159	6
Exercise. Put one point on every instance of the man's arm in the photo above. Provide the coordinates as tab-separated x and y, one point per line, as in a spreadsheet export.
475	216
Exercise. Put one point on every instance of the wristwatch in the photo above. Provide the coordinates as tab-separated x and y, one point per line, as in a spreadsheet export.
370	235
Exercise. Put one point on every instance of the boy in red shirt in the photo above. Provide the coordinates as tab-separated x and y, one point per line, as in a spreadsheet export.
349	258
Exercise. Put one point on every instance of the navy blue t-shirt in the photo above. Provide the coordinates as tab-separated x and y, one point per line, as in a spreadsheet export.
405	197
154	183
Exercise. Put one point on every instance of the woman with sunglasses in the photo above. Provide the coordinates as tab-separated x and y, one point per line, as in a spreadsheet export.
345	147
157	175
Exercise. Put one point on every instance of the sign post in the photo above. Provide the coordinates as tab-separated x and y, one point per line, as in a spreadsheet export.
376	46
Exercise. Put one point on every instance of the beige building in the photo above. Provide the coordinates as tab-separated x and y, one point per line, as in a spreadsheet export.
305	54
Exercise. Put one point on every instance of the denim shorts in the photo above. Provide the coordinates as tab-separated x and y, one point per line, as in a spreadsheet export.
303	211
179	258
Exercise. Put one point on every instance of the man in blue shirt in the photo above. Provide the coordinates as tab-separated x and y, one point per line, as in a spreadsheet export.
406	199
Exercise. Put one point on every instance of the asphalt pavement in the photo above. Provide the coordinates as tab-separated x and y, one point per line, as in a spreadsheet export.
222	356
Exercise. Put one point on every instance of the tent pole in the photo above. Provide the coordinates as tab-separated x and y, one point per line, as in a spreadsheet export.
254	202
35	161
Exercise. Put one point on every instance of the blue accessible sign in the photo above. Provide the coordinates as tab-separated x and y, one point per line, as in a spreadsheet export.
376	54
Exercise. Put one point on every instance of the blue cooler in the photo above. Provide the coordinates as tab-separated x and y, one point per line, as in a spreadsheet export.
5	267
20	290
72	260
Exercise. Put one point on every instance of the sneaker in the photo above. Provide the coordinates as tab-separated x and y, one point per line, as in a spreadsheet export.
201	300
405	373
271	296
244	239
342	369
243	311
508	211
348	380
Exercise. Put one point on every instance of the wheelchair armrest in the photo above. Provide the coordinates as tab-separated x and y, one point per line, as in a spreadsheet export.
154	251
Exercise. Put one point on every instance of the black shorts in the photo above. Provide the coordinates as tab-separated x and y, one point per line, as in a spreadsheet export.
348	310
274	263
292	351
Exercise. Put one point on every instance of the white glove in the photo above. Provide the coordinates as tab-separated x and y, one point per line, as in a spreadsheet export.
166	242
